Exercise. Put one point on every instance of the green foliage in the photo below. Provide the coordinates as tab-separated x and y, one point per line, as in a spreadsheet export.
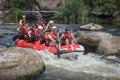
12	16
16	6
104	6
81	8
72	9
17	3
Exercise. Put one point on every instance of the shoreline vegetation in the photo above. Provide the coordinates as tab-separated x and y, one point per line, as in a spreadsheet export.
70	12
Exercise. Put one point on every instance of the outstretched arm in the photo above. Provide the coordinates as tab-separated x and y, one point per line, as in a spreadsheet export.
73	38
50	37
46	27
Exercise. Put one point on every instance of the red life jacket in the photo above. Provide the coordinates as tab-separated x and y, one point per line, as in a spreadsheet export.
55	34
67	35
22	30
47	40
33	32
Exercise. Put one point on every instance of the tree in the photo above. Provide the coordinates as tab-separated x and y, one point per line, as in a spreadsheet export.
82	8
15	7
17	3
72	8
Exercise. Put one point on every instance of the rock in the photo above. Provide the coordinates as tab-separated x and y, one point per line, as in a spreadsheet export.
1	22
103	43
48	7
1	15
2	47
44	4
18	63
91	26
2	1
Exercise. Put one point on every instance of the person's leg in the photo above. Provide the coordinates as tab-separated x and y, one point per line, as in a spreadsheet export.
52	44
72	42
67	42
57	45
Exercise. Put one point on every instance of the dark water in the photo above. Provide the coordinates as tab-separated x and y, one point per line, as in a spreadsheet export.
8	31
87	67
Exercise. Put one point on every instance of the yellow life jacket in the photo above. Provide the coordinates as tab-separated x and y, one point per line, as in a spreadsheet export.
20	22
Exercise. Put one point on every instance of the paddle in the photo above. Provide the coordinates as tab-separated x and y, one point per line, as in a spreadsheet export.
15	37
31	39
18	37
59	51
42	19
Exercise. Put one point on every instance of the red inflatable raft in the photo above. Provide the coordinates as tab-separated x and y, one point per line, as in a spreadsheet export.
38	46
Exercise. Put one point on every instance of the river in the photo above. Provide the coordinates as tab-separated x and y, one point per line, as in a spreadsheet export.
86	67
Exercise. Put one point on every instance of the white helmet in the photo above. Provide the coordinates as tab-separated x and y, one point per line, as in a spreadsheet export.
40	27
50	22
54	27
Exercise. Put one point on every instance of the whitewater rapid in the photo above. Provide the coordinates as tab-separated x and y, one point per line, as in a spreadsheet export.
87	64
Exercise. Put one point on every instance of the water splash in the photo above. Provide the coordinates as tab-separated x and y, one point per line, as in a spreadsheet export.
89	64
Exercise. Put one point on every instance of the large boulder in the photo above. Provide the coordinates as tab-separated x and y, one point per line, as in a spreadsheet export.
1	2
1	14
20	63
104	43
91	26
43	4
47	6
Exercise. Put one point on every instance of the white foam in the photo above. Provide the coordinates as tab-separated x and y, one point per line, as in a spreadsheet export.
86	63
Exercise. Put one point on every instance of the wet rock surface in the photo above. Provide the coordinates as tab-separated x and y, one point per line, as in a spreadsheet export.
101	42
19	62
91	26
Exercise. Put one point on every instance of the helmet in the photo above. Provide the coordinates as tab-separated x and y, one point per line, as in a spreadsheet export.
51	21
23	16
54	27
40	27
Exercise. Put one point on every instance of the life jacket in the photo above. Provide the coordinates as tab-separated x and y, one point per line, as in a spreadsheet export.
22	22
22	30
33	32
67	35
47	40
55	34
